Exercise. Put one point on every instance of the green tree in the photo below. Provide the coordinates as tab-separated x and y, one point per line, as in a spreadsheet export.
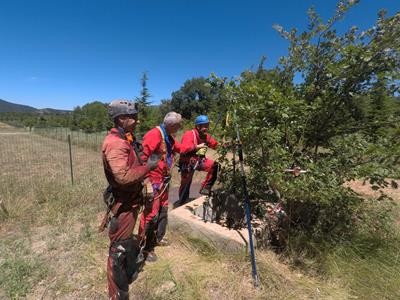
92	117
165	106
143	100
148	115
195	97
322	124
339	70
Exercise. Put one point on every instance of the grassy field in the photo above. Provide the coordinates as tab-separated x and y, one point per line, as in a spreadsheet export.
50	248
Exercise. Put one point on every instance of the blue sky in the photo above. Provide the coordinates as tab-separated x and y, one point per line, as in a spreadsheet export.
65	53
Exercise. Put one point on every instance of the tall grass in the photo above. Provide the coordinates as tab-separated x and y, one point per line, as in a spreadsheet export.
49	247
369	267
29	160
20	269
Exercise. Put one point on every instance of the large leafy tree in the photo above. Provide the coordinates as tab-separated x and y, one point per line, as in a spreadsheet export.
195	97
339	71
340	122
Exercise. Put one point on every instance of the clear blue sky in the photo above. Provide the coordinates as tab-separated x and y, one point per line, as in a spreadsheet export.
65	53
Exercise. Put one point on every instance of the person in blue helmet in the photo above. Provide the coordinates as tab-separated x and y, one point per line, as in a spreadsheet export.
194	145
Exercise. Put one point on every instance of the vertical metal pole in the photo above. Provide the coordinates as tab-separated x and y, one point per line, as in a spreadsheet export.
247	206
70	158
234	169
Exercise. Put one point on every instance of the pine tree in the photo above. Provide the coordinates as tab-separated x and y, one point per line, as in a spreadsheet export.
143	100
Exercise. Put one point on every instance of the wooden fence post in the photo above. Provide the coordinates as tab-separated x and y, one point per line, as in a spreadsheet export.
70	159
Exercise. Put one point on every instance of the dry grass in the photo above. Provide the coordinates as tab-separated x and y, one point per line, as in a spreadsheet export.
27	156
49	245
192	269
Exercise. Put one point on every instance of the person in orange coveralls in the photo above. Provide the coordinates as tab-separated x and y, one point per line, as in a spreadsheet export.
193	149
125	173
160	141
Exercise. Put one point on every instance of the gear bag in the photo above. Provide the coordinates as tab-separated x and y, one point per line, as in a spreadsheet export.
109	200
108	197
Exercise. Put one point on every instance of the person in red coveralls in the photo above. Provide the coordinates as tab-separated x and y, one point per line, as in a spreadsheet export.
125	173
160	141
193	149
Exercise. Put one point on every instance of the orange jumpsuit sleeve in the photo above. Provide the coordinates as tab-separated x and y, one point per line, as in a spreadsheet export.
177	147
125	172
187	142
151	142
211	142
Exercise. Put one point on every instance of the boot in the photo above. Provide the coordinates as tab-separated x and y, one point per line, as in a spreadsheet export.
163	242
150	256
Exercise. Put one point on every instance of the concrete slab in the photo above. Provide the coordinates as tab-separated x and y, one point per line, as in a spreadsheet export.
183	219
173	195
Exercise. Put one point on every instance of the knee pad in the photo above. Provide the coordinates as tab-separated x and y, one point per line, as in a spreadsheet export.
135	261
127	258
118	257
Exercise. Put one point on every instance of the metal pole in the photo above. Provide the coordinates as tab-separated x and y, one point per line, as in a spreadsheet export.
70	159
234	170
247	206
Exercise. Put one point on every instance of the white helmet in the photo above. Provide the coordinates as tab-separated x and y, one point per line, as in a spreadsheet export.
121	107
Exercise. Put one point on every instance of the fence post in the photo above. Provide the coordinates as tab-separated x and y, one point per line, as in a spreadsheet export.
70	158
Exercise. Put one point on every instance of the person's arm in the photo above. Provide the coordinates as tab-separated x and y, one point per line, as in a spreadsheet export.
187	143
211	142
151	141
117	156
176	148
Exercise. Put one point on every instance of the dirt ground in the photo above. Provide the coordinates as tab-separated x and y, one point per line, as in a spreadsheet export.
365	190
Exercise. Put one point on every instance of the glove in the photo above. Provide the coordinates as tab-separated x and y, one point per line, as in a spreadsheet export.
201	151
153	160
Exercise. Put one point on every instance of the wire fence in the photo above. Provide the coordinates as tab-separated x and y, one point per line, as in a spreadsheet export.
34	160
51	155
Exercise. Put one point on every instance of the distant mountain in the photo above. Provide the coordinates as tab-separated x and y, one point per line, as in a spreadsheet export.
13	107
53	111
6	106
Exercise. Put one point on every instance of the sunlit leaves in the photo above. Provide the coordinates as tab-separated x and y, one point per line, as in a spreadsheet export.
340	123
